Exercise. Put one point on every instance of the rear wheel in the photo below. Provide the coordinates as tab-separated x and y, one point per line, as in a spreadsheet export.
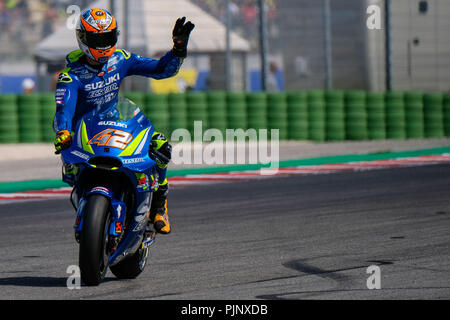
94	255
131	267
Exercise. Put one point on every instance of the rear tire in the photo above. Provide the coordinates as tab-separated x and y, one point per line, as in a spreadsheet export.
93	258
131	267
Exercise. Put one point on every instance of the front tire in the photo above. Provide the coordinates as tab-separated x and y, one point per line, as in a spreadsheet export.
93	256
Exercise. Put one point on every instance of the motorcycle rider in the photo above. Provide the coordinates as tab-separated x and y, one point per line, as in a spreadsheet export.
92	79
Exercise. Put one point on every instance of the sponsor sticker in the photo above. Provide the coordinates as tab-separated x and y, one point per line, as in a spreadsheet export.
119	227
101	84
112	123
133	160
100	189
80	154
63	77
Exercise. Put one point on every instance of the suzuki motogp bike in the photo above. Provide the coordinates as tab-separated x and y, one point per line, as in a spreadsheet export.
113	177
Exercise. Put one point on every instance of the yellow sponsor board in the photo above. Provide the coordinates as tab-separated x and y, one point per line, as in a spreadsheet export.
184	79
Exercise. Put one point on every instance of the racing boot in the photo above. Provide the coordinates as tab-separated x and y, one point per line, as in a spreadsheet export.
158	210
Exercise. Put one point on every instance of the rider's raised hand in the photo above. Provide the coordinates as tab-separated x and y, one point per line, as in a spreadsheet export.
63	140
180	36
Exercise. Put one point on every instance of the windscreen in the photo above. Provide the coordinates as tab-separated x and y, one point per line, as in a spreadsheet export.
123	111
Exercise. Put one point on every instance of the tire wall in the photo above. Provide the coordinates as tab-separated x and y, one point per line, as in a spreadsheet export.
314	115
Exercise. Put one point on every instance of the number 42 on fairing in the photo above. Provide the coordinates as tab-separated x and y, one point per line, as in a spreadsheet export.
112	138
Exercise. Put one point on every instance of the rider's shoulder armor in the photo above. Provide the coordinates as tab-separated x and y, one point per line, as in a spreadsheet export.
74	56
67	75
64	76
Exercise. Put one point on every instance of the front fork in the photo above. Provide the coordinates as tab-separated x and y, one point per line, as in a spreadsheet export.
118	218
145	184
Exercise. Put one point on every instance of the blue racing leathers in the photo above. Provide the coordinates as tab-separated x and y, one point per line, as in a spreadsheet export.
80	87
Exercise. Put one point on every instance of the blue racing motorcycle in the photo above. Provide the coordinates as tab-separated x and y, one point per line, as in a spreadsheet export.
113	177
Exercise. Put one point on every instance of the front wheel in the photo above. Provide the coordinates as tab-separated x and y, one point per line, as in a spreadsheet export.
93	256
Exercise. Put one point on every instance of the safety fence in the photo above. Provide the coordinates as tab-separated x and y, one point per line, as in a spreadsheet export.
308	115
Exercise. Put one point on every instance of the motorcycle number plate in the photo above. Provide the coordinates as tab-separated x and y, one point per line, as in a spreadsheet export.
112	138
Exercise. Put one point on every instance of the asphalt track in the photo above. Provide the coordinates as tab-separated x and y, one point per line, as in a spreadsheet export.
299	237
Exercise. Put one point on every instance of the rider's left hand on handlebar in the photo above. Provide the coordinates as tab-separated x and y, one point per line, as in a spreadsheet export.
160	150
63	141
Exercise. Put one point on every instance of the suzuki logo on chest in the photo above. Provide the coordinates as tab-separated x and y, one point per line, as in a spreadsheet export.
101	84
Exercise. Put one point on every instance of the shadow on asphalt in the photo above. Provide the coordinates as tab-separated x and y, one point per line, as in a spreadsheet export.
43	282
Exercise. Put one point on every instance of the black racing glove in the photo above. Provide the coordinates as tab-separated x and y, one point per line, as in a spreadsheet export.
63	141
180	36
160	150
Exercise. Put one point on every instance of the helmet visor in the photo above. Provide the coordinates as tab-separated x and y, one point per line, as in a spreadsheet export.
99	41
